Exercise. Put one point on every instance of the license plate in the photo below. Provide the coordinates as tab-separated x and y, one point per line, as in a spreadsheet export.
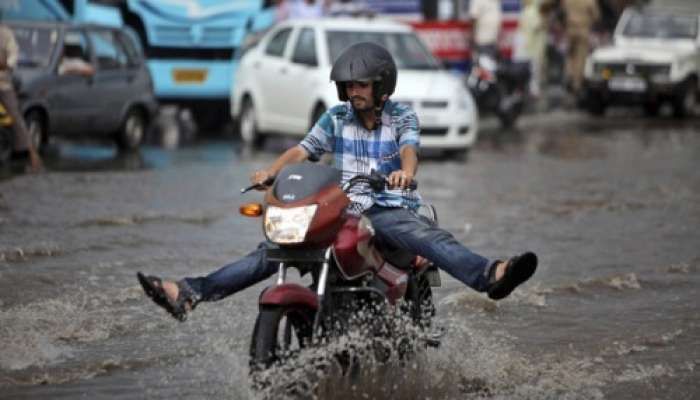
189	75
627	84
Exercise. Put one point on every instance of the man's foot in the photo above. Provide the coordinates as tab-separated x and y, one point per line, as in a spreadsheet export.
505	276
166	294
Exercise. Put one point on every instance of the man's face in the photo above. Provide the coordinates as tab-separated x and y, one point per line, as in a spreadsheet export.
360	95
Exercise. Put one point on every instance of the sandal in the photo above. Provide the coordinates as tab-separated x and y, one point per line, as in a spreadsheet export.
153	286
518	270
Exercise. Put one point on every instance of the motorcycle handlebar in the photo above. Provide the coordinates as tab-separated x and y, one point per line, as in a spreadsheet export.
377	181
267	182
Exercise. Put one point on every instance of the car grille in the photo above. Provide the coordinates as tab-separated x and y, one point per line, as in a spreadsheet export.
433	131
217	36
170	33
633	69
208	36
434	104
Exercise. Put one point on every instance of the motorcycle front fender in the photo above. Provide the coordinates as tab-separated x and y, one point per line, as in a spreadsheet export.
288	294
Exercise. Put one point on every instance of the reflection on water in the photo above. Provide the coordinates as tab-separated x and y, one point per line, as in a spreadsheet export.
611	206
71	157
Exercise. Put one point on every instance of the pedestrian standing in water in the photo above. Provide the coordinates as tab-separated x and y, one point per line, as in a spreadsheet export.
579	17
532	40
9	54
486	18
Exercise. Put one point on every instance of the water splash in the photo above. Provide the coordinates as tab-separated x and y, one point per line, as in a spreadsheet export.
46	332
21	254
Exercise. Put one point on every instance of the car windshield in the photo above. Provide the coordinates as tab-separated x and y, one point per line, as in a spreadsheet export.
662	26
35	44
407	49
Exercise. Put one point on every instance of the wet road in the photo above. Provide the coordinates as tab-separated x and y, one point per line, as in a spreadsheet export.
612	207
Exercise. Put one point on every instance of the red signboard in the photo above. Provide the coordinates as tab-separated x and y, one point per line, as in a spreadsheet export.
449	40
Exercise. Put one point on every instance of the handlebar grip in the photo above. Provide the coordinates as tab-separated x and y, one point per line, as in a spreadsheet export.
262	185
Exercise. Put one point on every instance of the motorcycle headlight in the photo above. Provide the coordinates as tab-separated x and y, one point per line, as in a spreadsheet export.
288	225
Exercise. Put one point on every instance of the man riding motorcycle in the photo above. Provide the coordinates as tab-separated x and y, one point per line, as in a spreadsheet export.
366	132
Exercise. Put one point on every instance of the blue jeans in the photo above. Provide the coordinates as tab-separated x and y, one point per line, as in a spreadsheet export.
398	227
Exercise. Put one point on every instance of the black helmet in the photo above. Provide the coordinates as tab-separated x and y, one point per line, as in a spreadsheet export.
365	61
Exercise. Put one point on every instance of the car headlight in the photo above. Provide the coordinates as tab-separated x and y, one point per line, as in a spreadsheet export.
288	225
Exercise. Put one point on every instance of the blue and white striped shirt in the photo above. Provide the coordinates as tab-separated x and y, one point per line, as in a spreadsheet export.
357	150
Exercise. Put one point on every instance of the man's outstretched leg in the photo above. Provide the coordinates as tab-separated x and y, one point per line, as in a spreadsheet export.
179	298
402	228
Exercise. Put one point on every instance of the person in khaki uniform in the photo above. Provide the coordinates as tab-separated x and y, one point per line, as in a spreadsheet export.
9	53
579	20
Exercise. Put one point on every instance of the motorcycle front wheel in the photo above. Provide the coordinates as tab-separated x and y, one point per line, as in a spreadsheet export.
280	332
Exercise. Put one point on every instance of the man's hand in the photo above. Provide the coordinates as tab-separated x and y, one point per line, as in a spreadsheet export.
400	179
259	177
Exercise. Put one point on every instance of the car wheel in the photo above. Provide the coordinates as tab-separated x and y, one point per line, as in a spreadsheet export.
249	126
7	144
686	102
132	131
651	108
316	115
36	127
595	107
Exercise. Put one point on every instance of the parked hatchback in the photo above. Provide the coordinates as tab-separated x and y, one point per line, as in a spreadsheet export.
78	80
282	83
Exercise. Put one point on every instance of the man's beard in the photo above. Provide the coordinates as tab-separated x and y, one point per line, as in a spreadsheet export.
367	105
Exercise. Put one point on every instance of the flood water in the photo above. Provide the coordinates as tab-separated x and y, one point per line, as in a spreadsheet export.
611	206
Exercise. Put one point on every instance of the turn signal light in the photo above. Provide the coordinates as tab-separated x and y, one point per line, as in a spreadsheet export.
251	209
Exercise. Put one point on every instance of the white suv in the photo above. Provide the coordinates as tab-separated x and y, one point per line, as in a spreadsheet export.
655	59
282	84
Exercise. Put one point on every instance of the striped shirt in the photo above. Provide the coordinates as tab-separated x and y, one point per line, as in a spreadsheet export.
357	150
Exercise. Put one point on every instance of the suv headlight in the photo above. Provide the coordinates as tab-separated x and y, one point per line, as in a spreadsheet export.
288	225
602	70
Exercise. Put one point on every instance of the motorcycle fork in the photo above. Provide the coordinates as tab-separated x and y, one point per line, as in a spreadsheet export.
321	291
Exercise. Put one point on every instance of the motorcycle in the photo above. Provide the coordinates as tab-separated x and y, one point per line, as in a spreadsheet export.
499	87
310	219
7	136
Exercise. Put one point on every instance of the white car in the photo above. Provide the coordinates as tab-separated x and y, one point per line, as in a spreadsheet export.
655	59
283	85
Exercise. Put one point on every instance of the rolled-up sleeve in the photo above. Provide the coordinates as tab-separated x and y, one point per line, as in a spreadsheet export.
408	130
320	138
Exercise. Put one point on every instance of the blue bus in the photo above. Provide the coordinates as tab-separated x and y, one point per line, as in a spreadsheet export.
190	46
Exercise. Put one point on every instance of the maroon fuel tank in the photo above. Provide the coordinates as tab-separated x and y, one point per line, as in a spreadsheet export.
352	250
